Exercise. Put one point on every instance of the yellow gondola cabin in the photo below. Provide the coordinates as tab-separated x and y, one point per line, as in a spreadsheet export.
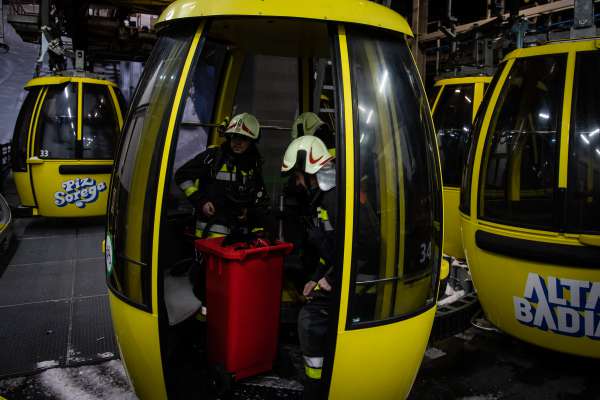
530	198
274	59
63	145
454	108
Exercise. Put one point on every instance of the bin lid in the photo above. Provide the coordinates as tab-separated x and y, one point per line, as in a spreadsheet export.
240	251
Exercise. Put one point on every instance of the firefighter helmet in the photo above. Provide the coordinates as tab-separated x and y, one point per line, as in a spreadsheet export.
244	124
306	125
306	153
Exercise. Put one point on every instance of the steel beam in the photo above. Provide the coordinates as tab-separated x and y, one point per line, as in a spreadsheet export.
549	8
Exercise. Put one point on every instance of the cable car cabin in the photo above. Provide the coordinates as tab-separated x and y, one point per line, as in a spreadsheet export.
455	103
347	62
530	197
63	145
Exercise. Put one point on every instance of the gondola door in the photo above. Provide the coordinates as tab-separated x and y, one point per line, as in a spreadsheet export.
392	219
73	142
135	207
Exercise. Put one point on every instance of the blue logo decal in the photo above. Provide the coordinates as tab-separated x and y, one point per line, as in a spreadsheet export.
79	191
565	306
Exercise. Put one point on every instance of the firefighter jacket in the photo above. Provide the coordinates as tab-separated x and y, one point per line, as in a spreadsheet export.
232	182
321	236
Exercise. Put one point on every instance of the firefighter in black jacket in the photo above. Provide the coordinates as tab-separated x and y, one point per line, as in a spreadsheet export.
313	167
225	183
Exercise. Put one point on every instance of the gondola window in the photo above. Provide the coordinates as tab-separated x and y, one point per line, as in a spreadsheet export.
132	208
452	120
100	124
57	126
520	161
471	145
583	188
397	242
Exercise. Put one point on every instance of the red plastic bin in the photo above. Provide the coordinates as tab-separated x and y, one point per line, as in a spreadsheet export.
243	295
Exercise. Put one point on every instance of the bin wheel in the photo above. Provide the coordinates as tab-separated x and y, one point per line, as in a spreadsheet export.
221	380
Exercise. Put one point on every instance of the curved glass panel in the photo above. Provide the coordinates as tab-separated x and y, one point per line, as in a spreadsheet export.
133	187
583	188
57	124
19	142
397	240
452	119
471	145
518	177
100	124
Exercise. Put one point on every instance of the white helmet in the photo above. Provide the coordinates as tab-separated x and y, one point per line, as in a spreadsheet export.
244	124
306	124
309	152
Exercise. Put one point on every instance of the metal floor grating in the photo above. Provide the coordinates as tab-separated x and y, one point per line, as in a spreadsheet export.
54	307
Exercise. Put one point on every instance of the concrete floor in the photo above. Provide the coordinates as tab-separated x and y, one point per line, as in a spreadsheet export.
491	365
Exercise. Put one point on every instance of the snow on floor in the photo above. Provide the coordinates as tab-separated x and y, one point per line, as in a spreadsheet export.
47	364
106	381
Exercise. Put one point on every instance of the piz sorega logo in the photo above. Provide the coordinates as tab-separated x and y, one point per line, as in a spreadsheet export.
565	306
79	191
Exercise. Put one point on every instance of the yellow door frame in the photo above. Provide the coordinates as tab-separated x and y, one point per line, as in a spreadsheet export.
33	129
32	144
437	99
79	113
565	128
349	178
477	99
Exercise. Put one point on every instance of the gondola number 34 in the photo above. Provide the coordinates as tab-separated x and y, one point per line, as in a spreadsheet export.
425	252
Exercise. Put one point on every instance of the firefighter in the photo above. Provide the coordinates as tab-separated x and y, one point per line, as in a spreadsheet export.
313	171
225	183
309	124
